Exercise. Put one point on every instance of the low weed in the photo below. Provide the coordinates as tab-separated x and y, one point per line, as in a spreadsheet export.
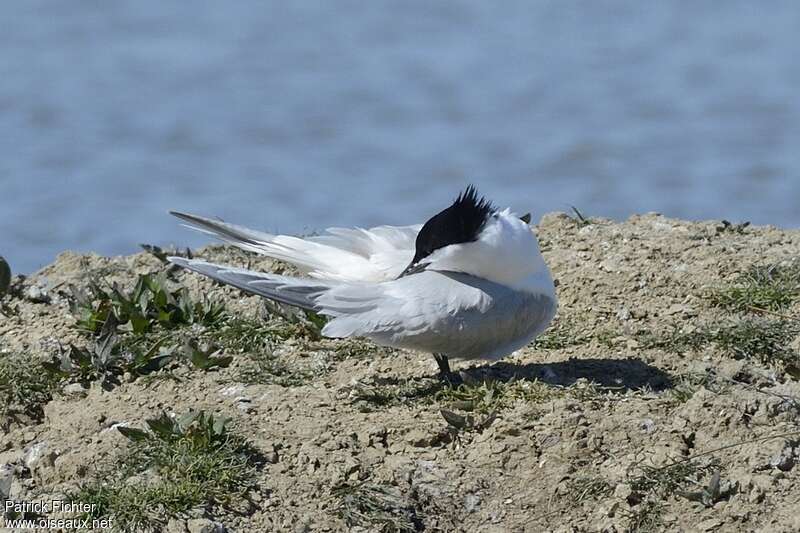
651	487
772	287
24	389
176	464
377	507
151	303
759	338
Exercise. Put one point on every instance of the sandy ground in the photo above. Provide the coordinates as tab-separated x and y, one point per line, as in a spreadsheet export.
597	426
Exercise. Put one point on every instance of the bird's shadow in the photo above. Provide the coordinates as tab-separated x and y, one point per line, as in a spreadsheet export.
623	374
619	374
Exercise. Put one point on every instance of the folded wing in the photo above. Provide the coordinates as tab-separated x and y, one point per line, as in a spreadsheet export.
342	254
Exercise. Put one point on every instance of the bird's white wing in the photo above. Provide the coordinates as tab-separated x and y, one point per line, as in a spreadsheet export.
342	254
459	315
445	312
300	292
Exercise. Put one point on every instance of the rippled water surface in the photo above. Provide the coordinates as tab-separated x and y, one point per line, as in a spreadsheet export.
296	116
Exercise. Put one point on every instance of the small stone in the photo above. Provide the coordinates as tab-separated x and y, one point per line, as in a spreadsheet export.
36	294
472	502
623	491
204	525
418	438
709	525
74	388
175	526
34	454
6	478
647	425
784	460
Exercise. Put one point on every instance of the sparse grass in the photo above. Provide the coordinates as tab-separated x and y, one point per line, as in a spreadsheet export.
562	334
266	368
490	396
646	479
763	339
244	335
24	389
579	219
565	332
769	287
584	488
647	517
406	392
377	507
474	396
256	338
252	335
652	486
357	349
176	465
729	227
161	254
685	385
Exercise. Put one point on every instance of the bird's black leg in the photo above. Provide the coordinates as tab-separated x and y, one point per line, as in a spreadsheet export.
445	373
444	364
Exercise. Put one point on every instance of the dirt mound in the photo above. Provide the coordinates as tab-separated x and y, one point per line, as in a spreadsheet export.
664	397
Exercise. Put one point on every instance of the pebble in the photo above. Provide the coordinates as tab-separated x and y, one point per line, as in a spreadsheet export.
74	388
204	525
784	460
472	502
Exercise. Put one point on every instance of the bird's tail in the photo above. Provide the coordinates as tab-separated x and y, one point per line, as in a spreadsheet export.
301	292
308	255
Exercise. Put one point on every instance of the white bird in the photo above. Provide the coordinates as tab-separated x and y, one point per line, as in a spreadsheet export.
470	283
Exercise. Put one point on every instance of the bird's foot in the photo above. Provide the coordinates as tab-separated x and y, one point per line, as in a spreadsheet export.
445	374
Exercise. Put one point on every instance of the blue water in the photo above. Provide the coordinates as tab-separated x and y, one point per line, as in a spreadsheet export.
295	116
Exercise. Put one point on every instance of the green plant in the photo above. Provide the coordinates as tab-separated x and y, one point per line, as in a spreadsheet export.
177	464
377	507
205	358
106	361
764	339
472	396
266	368
457	423
490	396
161	254
583	488
579	219
651	486
729	227
685	385
151	303
562	334
23	388
143	359
99	362
762	287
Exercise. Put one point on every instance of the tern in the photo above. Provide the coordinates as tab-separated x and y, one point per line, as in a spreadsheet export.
470	283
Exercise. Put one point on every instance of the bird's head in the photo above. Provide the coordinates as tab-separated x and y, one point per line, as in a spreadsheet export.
473	237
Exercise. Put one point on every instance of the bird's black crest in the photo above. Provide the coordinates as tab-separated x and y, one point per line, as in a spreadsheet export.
461	222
